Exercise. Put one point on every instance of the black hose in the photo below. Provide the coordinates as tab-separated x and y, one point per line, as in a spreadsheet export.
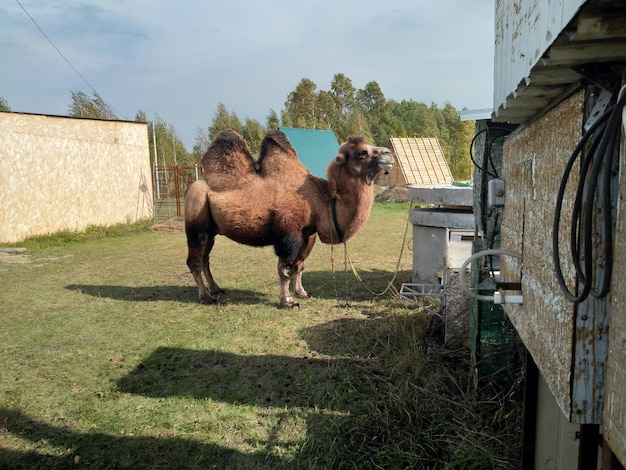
597	163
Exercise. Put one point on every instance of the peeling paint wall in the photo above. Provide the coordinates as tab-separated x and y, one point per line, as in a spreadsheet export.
534	161
524	30
63	173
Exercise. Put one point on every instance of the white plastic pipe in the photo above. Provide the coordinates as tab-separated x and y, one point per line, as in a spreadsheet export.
501	298
482	254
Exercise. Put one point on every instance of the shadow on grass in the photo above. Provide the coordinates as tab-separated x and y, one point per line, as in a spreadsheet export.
263	381
98	450
320	284
342	284
339	397
163	293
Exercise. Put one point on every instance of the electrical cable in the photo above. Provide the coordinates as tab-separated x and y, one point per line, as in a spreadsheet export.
484	168
65	58
596	165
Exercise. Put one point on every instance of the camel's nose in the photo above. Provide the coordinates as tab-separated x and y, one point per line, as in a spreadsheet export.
382	152
385	155
385	159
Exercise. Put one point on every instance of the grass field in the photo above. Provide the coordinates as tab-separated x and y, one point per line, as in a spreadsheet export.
109	361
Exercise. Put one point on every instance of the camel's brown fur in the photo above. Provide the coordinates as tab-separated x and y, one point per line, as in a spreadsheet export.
276	201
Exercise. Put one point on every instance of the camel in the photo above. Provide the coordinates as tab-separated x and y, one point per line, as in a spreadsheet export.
277	201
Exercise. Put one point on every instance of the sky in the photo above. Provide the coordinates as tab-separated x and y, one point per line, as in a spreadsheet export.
179	59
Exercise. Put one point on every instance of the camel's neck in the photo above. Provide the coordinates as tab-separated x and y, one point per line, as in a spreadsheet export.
348	213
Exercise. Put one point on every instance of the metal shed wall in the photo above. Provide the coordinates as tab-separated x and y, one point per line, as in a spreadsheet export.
524	30
62	173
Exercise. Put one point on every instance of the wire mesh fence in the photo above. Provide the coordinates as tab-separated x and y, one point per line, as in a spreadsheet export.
170	183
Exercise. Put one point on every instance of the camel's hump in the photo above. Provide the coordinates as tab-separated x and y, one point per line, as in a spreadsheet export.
227	155
278	158
276	138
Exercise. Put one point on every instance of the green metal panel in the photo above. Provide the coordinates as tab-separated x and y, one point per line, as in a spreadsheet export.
316	148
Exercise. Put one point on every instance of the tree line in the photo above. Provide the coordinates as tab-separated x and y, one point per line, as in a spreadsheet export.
343	108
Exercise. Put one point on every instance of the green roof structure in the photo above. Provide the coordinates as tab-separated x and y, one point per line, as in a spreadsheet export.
316	148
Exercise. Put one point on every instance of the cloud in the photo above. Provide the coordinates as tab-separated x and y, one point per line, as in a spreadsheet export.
180	59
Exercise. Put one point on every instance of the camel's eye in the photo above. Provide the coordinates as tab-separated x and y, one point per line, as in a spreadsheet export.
363	154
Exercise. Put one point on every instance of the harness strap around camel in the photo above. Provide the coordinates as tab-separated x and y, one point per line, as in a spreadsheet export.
333	209
347	261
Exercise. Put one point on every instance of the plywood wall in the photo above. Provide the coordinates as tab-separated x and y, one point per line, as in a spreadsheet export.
61	173
534	161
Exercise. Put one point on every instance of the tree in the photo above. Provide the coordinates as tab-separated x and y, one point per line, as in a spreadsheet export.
253	134
201	143
251	130
355	123
300	105
170	149
328	115
344	93
351	119
224	120
95	108
459	137
348	111
4	105
371	101
285	118
141	116
272	120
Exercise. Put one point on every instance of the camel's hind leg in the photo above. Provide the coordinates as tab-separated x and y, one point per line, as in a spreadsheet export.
201	233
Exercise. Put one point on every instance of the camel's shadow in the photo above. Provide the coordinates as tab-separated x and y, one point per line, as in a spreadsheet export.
187	294
319	284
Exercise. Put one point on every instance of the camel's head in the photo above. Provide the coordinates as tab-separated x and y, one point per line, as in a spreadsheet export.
363	160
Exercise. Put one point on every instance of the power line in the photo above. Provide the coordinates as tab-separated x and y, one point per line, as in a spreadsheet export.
67	60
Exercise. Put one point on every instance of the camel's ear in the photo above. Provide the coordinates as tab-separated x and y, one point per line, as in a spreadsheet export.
341	159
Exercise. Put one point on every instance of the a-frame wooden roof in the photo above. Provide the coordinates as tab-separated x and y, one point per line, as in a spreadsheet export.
421	160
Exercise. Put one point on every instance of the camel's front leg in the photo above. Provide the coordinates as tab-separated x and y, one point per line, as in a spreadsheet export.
285	271
299	268
214	289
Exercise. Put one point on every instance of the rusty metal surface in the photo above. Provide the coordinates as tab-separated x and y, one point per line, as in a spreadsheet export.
534	161
614	422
